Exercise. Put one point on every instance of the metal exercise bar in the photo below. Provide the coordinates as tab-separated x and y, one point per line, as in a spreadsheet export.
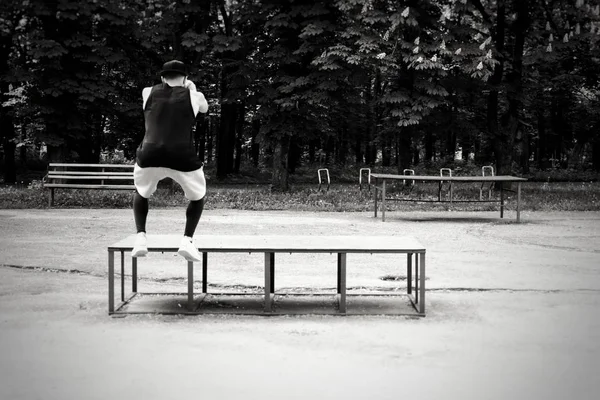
326	174
360	174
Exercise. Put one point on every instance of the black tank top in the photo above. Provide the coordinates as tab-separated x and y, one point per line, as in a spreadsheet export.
169	119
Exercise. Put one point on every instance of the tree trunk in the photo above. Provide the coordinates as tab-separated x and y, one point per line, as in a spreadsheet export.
514	93
358	155
226	140
200	137
596	155
212	136
280	181
466	146
525	152
386	152
329	149
342	148
371	94
294	156
10	170
541	156
7	126
405	148
239	139
23	155
492	104
576	155
428	146
416	156
255	148
312	150
56	153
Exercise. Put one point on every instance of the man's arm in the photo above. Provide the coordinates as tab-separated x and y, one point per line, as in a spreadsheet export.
145	94
199	103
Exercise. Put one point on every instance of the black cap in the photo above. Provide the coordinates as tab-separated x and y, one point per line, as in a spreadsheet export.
174	66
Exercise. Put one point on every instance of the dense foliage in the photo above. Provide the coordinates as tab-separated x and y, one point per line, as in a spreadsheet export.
367	82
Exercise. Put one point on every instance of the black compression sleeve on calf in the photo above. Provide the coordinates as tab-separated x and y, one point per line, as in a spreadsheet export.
192	216
140	212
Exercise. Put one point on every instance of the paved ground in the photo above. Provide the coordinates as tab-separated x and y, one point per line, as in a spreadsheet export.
512	312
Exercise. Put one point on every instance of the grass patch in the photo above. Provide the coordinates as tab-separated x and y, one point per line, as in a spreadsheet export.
536	196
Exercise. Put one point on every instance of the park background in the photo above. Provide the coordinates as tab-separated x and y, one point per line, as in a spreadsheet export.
294	85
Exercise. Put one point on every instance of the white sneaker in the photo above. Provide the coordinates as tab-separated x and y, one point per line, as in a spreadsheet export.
188	250
140	248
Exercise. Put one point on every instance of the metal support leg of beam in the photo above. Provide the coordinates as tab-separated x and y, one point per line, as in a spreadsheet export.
409	273
190	266
111	282
342	280
375	198
383	201
122	276
422	299
416	279
339	273
272	272
268	282
134	274
518	201
204	272
501	200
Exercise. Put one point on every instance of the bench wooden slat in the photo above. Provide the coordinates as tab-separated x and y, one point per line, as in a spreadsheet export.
98	177
112	173
83	186
68	165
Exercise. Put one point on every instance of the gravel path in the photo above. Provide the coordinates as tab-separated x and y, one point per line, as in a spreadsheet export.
512	312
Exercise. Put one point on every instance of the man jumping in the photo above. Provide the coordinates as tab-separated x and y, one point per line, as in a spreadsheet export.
167	151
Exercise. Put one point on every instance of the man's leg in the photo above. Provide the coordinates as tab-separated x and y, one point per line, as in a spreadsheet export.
146	181
194	187
187	248
140	213
192	217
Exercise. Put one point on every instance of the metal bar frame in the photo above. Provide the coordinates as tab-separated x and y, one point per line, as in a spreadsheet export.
417	299
439	200
328	179
341	282
383	201
501	200
360	174
190	285
134	282
204	272
409	273
268	292
375	199
134	275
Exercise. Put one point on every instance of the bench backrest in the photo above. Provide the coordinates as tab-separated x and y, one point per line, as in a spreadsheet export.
90	173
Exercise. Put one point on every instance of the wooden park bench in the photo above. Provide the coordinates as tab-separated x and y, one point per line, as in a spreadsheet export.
88	176
270	246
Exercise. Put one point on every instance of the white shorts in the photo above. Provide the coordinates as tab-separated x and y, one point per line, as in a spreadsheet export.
192	182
